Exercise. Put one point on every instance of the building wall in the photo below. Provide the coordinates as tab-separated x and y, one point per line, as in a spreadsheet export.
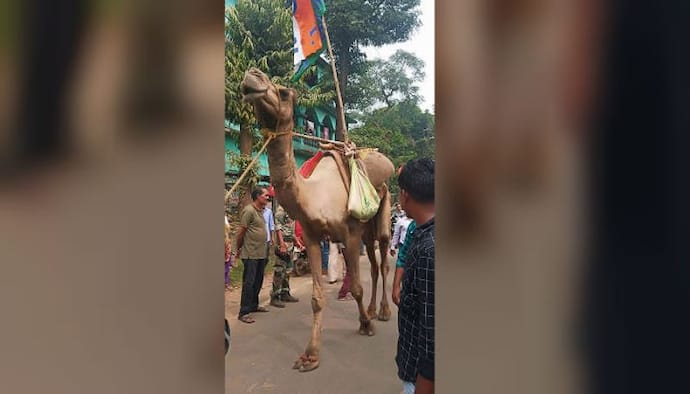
232	145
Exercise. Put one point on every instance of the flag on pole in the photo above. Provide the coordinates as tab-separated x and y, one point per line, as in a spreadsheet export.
308	33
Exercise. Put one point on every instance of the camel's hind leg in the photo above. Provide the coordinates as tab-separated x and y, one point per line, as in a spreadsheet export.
383	234
352	262
368	239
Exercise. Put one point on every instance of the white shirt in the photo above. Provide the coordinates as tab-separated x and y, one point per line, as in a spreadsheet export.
270	224
399	231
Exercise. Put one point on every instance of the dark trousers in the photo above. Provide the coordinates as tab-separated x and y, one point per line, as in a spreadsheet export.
252	280
325	248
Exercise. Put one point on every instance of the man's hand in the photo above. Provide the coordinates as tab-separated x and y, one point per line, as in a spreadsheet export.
283	247
423	385
396	295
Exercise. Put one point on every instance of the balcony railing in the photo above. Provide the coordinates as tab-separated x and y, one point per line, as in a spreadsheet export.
304	145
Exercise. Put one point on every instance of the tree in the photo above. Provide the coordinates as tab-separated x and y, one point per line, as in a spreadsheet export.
258	33
402	132
354	23
389	81
395	79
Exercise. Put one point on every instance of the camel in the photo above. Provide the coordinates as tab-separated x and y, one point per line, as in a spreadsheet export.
320	204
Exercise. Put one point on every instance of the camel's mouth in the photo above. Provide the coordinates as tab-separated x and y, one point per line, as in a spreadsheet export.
254	86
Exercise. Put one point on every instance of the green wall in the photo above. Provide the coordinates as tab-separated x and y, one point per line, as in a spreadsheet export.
233	146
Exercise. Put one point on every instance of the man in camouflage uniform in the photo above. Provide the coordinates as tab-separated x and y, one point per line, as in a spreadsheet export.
285	230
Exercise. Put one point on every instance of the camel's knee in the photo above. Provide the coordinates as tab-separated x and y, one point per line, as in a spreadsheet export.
356	290
384	239
317	304
385	268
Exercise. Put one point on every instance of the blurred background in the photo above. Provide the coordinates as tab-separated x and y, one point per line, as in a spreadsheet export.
563	188
111	194
563	181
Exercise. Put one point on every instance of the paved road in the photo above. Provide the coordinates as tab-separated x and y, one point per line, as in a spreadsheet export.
261	355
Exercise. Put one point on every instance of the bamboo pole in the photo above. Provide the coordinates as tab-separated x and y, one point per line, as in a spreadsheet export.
246	171
339	97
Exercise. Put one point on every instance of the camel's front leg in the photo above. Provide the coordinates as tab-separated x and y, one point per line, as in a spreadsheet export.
310	359
352	261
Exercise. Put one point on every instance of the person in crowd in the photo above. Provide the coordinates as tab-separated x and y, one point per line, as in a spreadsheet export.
335	267
280	292
251	248
270	224
416	313
344	293
325	249
299	236
399	232
400	263
228	254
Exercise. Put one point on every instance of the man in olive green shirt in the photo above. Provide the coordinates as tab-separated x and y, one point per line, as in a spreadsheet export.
252	249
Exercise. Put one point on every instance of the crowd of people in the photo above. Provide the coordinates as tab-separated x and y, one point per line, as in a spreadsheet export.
413	241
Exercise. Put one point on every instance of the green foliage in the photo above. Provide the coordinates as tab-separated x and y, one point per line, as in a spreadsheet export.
242	163
395	79
258	33
402	132
354	23
389	82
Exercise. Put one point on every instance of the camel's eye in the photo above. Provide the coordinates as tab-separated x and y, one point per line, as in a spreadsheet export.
284	93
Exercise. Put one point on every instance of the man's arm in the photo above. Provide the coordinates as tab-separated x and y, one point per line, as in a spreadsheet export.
281	240
397	279
424	269
299	242
423	385
240	240
298	235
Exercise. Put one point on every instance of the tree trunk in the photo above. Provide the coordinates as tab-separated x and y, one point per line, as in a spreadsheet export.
246	142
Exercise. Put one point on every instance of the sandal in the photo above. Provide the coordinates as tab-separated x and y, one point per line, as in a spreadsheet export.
246	319
348	297
261	309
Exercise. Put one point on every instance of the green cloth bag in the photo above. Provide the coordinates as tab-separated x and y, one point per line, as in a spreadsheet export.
364	201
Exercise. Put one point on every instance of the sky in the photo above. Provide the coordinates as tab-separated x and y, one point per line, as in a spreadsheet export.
421	43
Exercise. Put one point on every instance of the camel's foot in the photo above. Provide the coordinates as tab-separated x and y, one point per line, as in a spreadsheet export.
366	328
384	312
306	363
371	311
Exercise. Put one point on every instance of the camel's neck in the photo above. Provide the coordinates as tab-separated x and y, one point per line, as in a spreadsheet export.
284	175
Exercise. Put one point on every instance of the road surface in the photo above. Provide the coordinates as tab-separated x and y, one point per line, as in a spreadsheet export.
261	354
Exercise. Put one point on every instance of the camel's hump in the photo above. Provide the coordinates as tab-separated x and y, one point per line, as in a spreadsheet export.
379	167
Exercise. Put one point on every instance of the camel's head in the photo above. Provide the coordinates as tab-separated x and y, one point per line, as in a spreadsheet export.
272	103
